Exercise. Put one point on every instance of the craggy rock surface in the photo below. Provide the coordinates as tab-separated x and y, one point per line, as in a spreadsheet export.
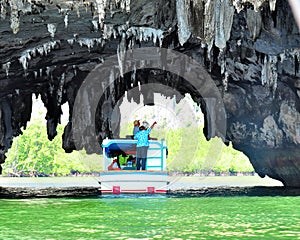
251	50
235	192
20	193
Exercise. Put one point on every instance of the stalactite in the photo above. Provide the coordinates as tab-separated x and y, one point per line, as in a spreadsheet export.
48	74
108	31
182	10
7	113
14	16
65	10
51	29
225	81
222	61
46	48
74	70
124	5
127	5
197	18
264	72
3	6
133	76
269	73
6	67
89	42
218	19
101	4
95	25
254	22
121	52
144	34
76	6
71	41
223	22
272	4
25	57
60	89
209	25
111	80
42	50
66	20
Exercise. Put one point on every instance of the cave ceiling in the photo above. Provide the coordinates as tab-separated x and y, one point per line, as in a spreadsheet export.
249	49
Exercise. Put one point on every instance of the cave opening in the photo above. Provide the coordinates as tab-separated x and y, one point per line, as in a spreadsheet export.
113	84
163	97
181	124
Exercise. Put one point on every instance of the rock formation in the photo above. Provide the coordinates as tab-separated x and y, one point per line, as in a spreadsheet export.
250	48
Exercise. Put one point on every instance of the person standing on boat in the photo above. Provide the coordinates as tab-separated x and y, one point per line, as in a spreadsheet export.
136	127
142	146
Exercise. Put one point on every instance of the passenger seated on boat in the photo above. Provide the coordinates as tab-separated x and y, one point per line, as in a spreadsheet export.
114	165
130	164
123	158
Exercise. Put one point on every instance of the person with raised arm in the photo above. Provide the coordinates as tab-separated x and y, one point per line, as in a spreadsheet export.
142	146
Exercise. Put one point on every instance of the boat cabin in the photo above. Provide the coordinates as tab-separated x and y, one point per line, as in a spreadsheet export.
123	151
119	173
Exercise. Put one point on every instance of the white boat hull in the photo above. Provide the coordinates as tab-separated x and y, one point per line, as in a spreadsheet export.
119	182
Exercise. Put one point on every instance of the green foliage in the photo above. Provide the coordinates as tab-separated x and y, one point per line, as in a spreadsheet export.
33	152
192	155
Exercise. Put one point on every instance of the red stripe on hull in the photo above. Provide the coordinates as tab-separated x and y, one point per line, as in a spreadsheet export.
135	190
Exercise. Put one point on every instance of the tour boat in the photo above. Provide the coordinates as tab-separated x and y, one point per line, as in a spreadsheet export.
125	178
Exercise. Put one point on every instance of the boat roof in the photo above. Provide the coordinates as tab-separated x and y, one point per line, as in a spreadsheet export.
116	147
119	146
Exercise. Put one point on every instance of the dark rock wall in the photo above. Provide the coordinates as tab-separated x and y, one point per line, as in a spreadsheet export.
251	50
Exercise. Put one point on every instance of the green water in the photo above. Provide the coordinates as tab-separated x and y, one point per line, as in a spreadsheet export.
151	218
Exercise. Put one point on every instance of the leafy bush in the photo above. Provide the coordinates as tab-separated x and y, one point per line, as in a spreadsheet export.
33	153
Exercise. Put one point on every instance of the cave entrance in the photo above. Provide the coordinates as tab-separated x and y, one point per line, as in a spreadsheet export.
180	123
